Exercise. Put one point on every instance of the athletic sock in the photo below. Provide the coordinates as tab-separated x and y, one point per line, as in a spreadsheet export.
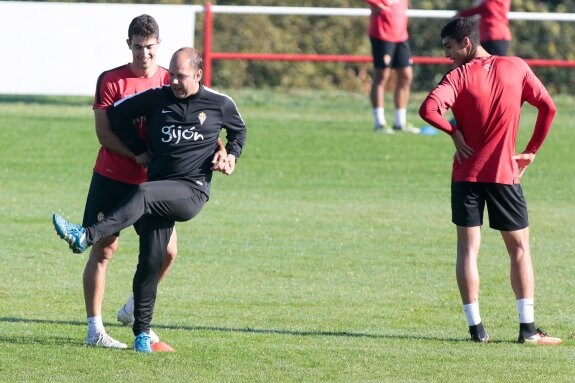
400	118
471	311
95	325
476	329
379	116
527	329
526	311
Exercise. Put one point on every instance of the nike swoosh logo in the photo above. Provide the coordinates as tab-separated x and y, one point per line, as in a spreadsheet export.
164	111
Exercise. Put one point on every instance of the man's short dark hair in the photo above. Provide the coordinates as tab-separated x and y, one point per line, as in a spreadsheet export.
460	28
143	25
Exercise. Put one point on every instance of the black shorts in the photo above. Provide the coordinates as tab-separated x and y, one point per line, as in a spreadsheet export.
390	55
103	196
496	47
506	205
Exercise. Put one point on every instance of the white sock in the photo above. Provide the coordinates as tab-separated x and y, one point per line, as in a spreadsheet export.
95	325
526	310
472	313
400	117
378	116
129	306
83	240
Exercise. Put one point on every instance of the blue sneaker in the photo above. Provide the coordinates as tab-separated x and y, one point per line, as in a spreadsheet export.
75	235
142	343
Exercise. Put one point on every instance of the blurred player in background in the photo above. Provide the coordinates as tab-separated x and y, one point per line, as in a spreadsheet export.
390	50
485	94
494	33
117	173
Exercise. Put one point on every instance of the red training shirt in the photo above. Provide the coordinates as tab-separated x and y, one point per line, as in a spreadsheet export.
493	23
113	85
485	96
388	24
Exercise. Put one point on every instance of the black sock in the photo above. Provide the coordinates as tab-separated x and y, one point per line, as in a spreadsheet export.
527	329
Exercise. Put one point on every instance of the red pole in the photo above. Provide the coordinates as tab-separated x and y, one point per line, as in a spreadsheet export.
208	44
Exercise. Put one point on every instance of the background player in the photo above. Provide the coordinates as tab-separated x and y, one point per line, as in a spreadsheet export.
390	49
494	33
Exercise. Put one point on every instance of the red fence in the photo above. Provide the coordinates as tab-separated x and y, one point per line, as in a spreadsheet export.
210	56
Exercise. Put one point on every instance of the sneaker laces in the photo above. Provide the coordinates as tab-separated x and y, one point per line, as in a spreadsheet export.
541	332
94	339
538	332
142	342
74	235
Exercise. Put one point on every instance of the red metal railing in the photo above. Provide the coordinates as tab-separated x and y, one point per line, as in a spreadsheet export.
210	56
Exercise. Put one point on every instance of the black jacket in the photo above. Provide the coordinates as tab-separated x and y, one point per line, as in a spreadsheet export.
182	133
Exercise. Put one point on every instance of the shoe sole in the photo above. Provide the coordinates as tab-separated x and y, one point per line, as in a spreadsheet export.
119	347
544	342
144	351
481	340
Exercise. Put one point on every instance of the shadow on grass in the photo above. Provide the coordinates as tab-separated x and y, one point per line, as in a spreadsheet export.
249	330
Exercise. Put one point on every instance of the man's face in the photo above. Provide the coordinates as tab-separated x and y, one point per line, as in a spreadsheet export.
143	51
184	78
455	51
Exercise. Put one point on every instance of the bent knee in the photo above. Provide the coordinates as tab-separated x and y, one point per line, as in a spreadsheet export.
171	253
105	248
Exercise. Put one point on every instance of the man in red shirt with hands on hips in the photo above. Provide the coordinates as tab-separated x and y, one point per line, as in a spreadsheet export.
485	94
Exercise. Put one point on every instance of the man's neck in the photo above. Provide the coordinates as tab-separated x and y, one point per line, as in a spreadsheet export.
478	52
143	72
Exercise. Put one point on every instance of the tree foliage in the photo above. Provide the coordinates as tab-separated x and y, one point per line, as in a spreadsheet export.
348	35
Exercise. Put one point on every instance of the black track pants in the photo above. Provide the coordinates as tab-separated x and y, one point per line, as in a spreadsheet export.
169	200
154	237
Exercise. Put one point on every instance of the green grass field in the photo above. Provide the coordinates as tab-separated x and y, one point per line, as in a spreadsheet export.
328	256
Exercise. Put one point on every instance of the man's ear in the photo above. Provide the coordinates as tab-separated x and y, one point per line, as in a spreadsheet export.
467	42
199	75
129	44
